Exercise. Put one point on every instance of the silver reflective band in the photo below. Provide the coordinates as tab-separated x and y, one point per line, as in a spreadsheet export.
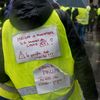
27	90
32	90
8	88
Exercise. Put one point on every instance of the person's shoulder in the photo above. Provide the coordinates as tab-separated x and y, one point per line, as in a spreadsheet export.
7	23
7	26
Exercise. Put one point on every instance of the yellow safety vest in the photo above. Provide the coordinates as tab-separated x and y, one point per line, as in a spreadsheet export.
64	8
83	16
8	91
22	75
98	11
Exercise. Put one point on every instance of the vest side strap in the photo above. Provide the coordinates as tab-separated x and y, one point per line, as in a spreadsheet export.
8	88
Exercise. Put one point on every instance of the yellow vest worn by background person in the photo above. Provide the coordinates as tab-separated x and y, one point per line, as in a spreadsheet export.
64	8
8	91
98	11
35	76
83	17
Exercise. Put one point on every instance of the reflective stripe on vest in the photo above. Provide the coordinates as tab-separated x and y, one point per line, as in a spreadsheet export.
8	88
28	90
32	90
8	91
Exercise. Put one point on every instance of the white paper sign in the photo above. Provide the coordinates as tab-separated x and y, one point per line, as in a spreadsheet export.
37	44
49	78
